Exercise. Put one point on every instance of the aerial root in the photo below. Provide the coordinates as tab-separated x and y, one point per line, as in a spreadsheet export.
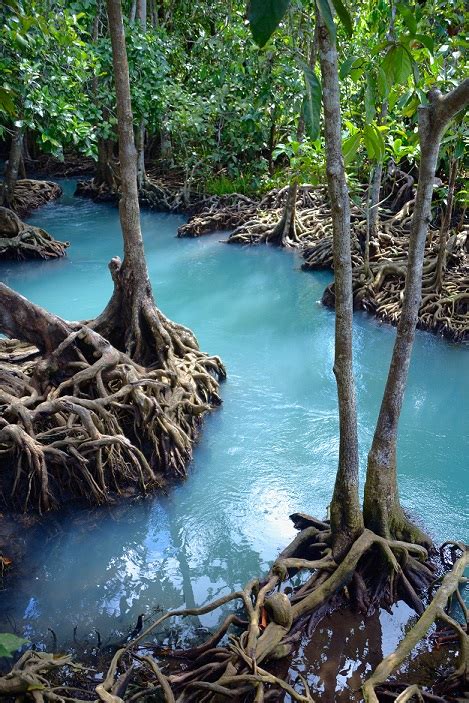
86	420
19	240
30	194
378	284
435	611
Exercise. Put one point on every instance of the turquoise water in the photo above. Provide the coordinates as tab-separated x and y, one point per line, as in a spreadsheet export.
269	451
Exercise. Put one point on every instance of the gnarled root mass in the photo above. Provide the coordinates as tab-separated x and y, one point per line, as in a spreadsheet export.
238	665
19	240
81	418
30	194
457	682
306	225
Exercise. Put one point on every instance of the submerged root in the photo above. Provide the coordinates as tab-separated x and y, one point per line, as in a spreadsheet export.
81	418
236	662
19	240
435	611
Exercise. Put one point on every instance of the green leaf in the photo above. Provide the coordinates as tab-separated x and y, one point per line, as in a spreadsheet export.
397	65
427	42
350	147
408	16
344	16
311	102
10	643
6	101
370	108
374	142
346	66
264	17
326	14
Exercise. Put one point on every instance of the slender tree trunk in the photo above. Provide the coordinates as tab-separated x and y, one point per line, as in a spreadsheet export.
11	171
382	510
445	226
346	517
104	169
140	130
140	144
375	186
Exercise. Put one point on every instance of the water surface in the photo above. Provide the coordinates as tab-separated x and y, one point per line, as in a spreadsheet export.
269	451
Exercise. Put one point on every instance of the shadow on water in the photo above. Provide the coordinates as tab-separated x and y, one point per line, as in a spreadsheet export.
269	451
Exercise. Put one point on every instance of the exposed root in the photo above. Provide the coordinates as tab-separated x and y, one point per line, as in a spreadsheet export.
238	666
19	240
435	611
306	225
30	194
81	418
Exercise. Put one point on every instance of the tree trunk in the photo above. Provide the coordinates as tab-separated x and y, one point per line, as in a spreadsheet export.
11	171
104	170
140	142
375	186
140	130
382	511
445	226
346	518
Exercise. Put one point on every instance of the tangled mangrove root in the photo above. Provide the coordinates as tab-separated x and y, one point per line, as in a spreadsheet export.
30	194
19	240
437	610
237	661
304	222
79	418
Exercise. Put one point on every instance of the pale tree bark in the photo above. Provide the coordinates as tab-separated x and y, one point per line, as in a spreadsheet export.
120	322
346	517
382	510
12	169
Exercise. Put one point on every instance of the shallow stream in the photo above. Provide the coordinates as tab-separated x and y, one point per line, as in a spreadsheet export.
269	451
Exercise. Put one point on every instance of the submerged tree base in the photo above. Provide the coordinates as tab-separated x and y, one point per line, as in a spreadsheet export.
80	418
242	665
19	240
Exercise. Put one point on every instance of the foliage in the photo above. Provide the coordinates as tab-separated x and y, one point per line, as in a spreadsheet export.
229	111
9	644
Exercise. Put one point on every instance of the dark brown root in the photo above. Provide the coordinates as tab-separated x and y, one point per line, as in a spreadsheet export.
30	194
239	664
19	240
79	418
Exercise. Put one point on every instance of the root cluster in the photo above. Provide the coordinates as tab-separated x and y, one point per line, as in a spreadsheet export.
19	240
237	661
378	282
79	418
30	194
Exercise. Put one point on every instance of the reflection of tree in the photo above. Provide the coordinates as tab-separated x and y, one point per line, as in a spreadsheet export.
101	569
342	649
